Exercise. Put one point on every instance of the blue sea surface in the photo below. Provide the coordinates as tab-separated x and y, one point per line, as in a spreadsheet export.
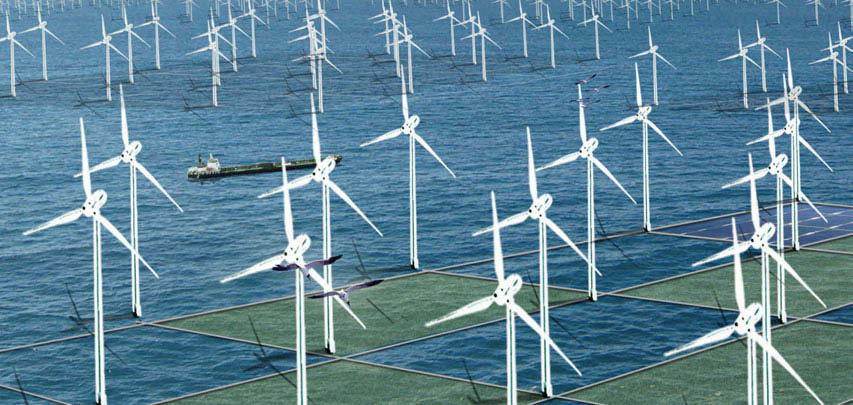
477	128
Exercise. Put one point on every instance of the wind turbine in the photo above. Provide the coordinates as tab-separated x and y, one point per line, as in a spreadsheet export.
321	176
596	22
761	43
128	27
42	26
252	18
92	209
155	21
386	16
522	16
842	43
502	3
540	203
483	34
189	8
451	19
742	54
408	128
748	317
552	28
293	256
128	156
588	146
213	37
792	127
473	21
232	22
833	57
10	36
776	167
653	50
406	36
105	41
816	3
504	296
778	14
760	240
642	115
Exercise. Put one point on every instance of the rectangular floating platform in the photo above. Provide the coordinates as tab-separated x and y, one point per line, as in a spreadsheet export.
196	173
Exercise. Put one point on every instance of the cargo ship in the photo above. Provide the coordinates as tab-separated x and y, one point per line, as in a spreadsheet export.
213	169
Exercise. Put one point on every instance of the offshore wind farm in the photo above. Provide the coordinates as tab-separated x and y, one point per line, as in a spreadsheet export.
683	260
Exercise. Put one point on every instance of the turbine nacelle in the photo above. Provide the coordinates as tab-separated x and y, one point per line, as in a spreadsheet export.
643	112
129	153
747	319
94	202
587	148
540	206
792	125
794	93
653	49
762	235
323	169
507	289
777	164
296	249
410	124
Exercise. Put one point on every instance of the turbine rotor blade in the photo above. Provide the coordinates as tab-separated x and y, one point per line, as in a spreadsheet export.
479	305
63	219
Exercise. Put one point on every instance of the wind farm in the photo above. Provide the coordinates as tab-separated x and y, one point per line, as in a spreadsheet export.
290	266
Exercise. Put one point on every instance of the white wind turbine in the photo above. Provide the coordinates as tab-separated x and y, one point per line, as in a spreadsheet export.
10	36
552	28
748	318
213	37
776	167
842	43
155	21
778	11
833	57
386	16
483	34
643	116
653	50
502	3
816	3
408	128
473	21
760	240
232	22
128	28
129	156
453	22
92	209
321	176
588	146
406	36
188	4
42	26
106	42
504	295
316	55
792	127
252	18
761	43
522	16
293	256
596	22
540	203
742	54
